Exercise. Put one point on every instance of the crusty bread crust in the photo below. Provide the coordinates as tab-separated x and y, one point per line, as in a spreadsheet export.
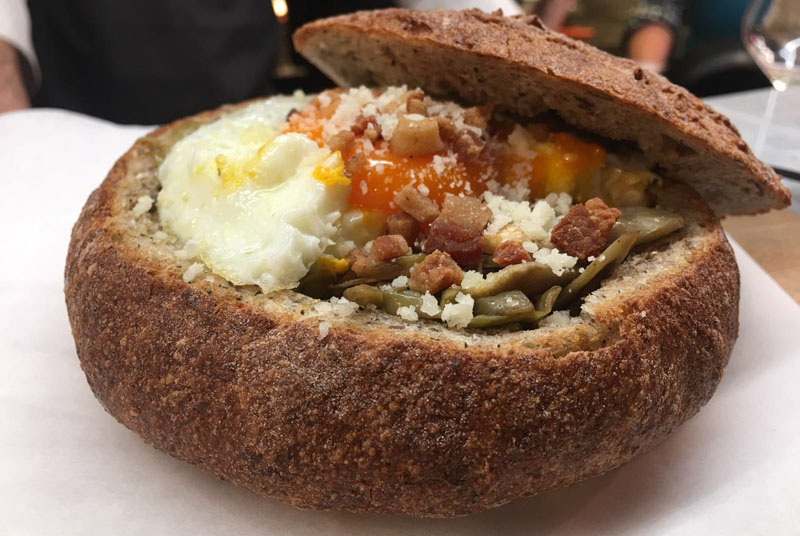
382	415
519	65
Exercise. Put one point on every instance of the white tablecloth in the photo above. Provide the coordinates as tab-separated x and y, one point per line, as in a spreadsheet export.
67	467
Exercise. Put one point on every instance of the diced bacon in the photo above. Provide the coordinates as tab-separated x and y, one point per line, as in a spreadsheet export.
468	212
355	164
458	230
510	252
436	272
416	106
468	145
403	224
343	141
372	133
474	117
447	130
361	261
603	216
388	247
583	232
419	206
416	137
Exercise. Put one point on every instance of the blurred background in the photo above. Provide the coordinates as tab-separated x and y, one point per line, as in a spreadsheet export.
152	61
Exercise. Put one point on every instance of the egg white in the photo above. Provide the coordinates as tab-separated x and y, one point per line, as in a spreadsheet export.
248	195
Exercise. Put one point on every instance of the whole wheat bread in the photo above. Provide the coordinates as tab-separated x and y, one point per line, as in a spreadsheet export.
521	66
380	414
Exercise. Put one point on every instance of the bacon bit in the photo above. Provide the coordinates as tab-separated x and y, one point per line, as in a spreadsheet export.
371	133
416	138
384	248
419	206
403	224
388	247
603	216
343	141
458	230
583	232
510	252
355	164
447	130
468	145
474	117
436	272
361	261
415	105
360	124
468	212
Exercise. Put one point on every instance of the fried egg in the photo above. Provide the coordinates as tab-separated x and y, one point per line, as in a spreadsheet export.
260	206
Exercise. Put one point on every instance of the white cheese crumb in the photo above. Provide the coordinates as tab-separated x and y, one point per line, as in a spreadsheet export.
643	314
324	328
442	163
143	204
458	314
535	221
424	190
430	305
363	186
590	258
190	250
530	247
400	281
324	99
192	272
560	202
557	261
471	279
408	313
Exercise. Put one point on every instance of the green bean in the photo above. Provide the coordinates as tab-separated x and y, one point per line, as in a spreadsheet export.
531	278
604	263
544	307
650	223
505	303
365	295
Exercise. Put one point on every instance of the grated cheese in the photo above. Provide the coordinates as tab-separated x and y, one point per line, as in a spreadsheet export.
408	313
192	272
458	314
143	204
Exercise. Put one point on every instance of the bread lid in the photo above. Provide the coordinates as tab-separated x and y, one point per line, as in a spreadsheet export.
519	65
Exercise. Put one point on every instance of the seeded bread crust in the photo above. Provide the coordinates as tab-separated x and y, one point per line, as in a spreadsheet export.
381	415
521	66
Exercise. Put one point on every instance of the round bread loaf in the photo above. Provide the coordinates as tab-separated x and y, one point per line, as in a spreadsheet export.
368	412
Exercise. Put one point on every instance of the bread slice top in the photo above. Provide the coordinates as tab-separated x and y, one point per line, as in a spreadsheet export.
522	67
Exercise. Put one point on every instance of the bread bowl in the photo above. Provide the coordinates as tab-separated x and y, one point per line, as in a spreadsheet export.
370	412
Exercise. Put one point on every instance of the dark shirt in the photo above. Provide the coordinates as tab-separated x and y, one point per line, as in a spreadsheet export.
152	61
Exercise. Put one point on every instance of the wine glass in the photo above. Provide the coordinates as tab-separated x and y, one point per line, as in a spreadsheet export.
771	34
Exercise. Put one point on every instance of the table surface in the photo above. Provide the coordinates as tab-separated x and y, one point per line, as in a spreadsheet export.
773	239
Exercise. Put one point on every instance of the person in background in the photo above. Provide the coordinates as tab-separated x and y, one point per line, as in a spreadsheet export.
601	23
655	33
152	61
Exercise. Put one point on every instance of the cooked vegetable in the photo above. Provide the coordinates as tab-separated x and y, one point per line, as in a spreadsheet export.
544	306
505	303
531	278
365	295
605	262
395	299
650	223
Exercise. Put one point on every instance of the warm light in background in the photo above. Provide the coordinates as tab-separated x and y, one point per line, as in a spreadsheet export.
281	10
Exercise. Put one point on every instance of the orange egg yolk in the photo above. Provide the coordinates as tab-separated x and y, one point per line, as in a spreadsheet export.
559	163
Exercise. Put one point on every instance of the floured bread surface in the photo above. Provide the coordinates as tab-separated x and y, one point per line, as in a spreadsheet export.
324	407
519	65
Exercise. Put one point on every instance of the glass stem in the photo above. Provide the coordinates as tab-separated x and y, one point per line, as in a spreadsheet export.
765	121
